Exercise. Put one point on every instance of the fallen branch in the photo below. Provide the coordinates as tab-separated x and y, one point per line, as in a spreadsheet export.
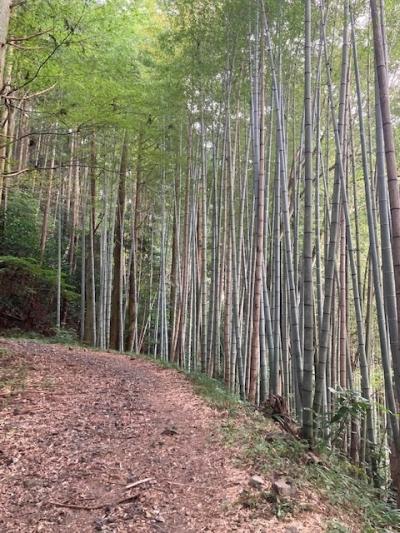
14	174
94	507
178	484
100	506
137	483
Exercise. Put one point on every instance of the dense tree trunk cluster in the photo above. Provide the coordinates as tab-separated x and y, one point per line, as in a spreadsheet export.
234	231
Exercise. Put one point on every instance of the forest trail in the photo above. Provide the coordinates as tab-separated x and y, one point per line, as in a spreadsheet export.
88	424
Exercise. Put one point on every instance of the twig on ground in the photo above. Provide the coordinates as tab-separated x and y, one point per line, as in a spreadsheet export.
95	507
100	506
137	483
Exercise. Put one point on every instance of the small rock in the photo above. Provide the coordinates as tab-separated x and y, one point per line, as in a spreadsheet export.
291	529
98	524
313	459
283	487
30	483
131	477
257	482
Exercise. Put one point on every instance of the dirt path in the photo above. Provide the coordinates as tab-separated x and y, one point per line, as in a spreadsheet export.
88	424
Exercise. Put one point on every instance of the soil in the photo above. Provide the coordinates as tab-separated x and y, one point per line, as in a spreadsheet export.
100	442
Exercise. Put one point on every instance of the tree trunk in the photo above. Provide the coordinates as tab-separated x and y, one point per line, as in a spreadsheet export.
259	255
116	327
5	14
307	245
133	302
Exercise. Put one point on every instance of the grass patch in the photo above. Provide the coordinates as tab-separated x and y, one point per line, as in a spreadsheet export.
63	336
214	392
267	504
167	365
268	451
335	526
162	363
346	491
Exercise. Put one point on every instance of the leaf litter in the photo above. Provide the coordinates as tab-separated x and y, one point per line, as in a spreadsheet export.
100	442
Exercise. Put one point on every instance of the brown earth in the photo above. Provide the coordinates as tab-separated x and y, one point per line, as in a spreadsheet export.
87	425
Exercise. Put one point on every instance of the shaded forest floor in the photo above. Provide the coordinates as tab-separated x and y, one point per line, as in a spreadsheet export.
93	441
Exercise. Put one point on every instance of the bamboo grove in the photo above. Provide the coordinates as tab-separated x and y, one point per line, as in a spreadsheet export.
219	184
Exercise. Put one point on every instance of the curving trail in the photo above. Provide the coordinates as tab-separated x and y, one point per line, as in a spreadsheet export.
89	424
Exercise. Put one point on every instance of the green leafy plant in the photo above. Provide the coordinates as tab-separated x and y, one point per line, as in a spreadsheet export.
349	404
19	226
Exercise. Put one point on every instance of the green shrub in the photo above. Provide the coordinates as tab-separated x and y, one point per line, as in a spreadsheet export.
28	300
20	226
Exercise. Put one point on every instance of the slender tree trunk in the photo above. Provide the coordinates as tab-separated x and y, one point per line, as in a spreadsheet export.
90	334
133	302
116	327
307	246
179	350
46	214
320	380
5	15
391	163
259	255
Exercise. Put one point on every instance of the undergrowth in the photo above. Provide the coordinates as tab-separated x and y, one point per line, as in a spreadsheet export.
63	336
262	445
29	296
271	452
214	392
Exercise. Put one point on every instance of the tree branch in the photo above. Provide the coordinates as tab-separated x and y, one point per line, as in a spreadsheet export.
28	96
47	59
14	174
20	39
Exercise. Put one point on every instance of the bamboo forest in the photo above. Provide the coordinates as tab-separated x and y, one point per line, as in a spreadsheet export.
207	191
